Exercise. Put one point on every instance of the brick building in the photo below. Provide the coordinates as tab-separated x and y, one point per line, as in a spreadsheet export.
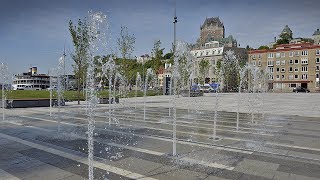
290	65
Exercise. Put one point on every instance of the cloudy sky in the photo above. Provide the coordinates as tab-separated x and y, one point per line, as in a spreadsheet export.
34	32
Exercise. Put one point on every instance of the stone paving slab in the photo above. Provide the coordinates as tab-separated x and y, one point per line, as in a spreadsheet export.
302	141
7	176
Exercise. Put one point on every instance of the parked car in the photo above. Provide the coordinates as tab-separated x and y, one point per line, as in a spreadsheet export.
195	88
301	89
206	88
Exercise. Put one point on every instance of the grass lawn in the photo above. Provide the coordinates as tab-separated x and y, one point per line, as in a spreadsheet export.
68	95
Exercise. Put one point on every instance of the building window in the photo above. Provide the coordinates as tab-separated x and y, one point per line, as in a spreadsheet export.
296	61
271	70
304	69
196	54
283	77
278	55
293	85
291	54
278	62
291	76
318	52
259	56
296	69
317	68
290	69
283	70
283	54
270	63
270	55
304	53
304	76
304	61
254	57
277	77
318	60
296	76
291	61
201	54
259	63
296	53
278	69
207	53
283	62
271	76
254	63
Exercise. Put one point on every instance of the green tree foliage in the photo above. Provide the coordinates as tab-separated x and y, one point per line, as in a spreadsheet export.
284	38
204	66
157	52
168	55
230	67
80	38
263	47
126	44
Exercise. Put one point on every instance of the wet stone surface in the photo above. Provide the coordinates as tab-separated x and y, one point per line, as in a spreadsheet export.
274	147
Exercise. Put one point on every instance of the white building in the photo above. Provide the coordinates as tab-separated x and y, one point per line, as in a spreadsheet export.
143	58
212	53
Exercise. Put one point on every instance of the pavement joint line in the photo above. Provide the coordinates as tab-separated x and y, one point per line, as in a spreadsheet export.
34	127
213	165
262	134
234	131
168	130
79	159
269	125
186	122
292	146
232	149
4	175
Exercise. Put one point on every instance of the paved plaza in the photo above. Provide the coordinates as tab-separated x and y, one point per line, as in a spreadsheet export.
278	138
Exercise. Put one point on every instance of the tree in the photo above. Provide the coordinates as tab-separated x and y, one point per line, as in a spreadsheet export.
168	55
157	52
125	44
284	38
263	47
230	67
203	69
80	39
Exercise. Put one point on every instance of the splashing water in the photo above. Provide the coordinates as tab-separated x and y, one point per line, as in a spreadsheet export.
4	79
97	27
149	75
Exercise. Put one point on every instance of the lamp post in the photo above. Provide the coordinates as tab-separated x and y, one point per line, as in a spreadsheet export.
174	128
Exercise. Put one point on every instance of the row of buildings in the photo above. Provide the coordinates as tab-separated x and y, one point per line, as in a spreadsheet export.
289	65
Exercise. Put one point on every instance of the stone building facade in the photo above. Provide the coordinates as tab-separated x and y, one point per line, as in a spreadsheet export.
213	29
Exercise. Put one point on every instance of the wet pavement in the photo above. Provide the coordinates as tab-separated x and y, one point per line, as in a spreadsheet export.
34	145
